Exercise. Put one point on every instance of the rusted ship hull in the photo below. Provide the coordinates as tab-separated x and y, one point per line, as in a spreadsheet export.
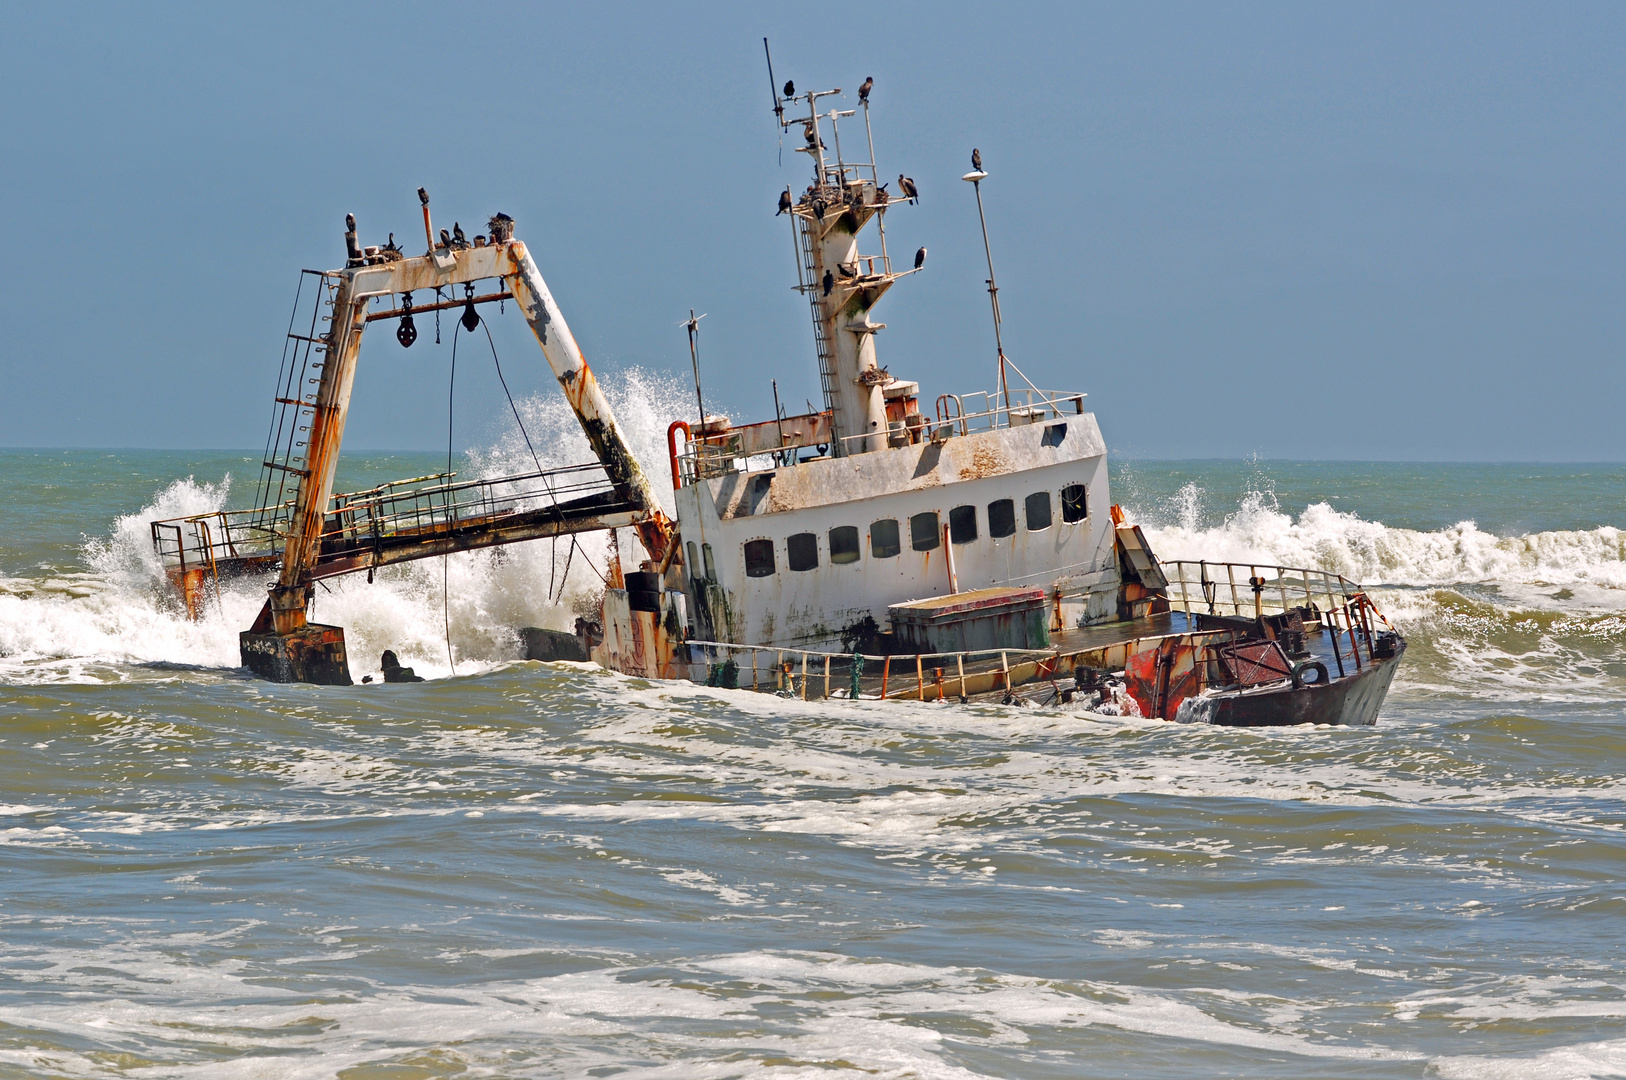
1348	702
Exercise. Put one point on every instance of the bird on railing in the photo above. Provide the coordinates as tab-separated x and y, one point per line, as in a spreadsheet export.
920	258
790	88
907	186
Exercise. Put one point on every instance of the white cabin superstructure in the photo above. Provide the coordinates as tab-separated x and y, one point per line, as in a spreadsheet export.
801	532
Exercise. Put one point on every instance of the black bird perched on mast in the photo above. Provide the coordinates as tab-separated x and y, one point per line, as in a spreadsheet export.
445	239
976	160
829	282
863	90
907	186
784	202
920	258
790	87
458	239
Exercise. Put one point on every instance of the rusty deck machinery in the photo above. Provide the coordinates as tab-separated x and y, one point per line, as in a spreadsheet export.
283	645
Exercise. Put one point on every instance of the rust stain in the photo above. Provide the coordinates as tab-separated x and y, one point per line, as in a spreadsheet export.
985	461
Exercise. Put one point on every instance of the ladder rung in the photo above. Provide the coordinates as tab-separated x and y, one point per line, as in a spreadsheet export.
295	401
312	340
286	468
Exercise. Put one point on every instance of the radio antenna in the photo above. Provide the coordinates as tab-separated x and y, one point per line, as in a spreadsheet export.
693	323
778	106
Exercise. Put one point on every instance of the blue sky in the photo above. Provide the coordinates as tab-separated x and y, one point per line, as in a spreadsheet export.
1317	231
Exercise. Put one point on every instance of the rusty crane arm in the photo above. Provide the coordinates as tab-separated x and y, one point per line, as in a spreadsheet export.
443	267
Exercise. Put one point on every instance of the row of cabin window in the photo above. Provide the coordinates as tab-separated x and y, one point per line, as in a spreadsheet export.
925	532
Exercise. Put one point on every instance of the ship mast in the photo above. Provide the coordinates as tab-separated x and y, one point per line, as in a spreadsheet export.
841	284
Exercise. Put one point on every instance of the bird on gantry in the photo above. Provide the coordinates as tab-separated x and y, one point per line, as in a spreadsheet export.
920	258
907	186
784	202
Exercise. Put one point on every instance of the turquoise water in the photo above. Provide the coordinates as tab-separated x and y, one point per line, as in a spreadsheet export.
550	870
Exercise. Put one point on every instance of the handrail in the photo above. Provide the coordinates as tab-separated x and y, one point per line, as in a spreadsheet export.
671	448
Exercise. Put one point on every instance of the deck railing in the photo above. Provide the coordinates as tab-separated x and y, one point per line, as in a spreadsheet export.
420	505
1250	590
955	415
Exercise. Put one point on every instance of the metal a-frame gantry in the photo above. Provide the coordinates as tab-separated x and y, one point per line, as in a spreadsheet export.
283	645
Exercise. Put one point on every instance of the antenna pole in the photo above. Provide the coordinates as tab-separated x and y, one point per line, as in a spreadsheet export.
993	291
778	418
875	177
778	106
693	323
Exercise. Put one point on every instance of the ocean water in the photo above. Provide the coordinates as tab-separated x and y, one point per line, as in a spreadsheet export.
526	870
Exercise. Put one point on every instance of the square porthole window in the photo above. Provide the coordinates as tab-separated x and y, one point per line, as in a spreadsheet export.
1075	504
759	558
923	531
883	539
963	524
802	551
844	544
1038	508
1002	519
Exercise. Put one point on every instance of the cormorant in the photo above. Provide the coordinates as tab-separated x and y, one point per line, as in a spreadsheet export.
829	282
784	202
920	258
458	239
790	88
863	91
907	186
976	159
445	239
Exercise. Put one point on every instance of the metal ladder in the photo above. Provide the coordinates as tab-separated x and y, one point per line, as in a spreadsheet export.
294	404
813	288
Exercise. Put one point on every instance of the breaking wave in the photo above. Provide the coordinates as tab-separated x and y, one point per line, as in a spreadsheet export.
1376	554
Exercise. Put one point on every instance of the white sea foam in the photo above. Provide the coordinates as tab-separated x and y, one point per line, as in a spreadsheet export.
683	1019
1323	538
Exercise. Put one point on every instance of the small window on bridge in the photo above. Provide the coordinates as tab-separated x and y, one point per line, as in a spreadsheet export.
1002	519
759	558
1038	508
709	562
694	560
844	544
802	552
923	531
1074	502
883	539
963	524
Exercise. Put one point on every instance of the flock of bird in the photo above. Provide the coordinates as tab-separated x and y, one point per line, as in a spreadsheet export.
906	185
